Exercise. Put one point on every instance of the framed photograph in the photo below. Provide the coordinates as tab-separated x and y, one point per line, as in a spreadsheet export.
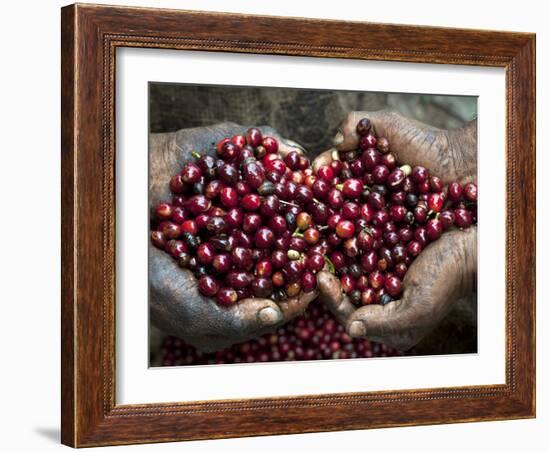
272	225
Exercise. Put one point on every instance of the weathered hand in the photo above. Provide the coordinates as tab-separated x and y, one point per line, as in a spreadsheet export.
446	270
176	306
443	273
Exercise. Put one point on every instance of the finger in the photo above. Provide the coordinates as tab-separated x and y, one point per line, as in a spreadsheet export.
347	138
255	314
322	159
382	323
393	324
396	324
382	122
248	319
331	294
287	146
296	306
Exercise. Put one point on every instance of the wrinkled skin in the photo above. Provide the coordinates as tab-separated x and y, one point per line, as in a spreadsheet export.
447	269
176	306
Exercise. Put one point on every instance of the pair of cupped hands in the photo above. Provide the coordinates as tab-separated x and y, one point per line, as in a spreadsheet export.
443	273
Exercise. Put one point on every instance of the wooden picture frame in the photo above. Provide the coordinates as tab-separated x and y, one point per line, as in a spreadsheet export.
90	36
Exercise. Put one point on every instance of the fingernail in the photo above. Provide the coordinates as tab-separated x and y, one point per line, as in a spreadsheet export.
269	316
338	139
357	329
298	146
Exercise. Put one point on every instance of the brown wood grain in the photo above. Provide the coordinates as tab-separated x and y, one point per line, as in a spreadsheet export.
90	36
68	311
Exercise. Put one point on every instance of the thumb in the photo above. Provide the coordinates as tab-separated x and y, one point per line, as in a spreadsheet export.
254	316
286	146
330	293
394	324
322	159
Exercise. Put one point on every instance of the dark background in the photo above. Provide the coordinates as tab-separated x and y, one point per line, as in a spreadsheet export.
311	118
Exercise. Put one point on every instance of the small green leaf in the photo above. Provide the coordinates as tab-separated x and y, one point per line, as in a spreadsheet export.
330	265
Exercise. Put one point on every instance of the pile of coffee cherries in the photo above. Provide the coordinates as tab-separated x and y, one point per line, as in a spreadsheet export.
383	215
253	224
245	223
315	335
